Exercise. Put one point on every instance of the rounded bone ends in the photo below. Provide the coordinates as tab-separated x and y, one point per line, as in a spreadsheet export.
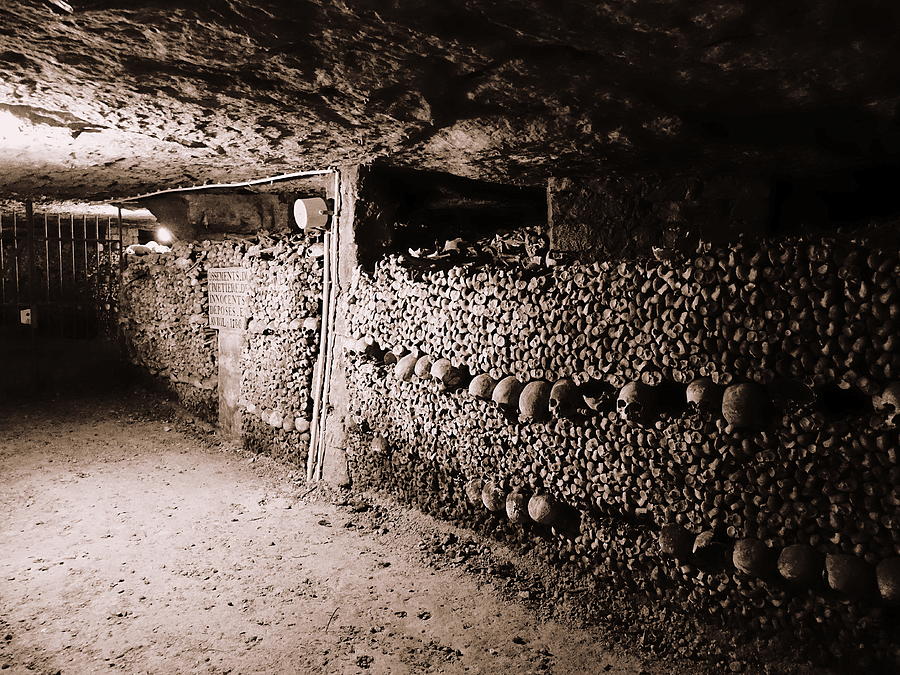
507	392
493	497
800	564
534	401
888	403
364	346
482	386
752	557
544	509
517	507
675	541
745	405
848	575
887	574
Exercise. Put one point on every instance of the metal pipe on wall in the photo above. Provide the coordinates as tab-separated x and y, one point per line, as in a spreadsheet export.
319	379
334	259
210	186
322	379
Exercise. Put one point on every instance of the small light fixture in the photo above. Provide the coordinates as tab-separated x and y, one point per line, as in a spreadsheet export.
311	215
164	235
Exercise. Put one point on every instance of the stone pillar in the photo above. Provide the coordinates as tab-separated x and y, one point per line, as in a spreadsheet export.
230	344
363	228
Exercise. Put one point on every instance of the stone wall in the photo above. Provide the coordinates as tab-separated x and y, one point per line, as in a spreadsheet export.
625	216
162	312
776	507
164	317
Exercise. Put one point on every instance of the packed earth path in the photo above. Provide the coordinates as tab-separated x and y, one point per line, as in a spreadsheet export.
134	539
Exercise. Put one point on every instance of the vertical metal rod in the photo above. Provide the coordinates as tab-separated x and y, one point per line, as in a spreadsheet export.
64	312
119	335
107	261
96	269
72	251
84	245
329	322
59	253
29	216
16	256
121	258
46	265
82	322
319	378
2	266
73	293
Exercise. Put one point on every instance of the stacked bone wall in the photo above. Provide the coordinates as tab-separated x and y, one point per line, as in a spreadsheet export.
165	324
280	348
666	505
163	316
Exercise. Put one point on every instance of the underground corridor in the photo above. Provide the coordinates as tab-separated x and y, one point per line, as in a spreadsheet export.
459	337
137	541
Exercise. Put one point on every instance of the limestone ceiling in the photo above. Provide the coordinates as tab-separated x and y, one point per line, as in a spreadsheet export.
115	97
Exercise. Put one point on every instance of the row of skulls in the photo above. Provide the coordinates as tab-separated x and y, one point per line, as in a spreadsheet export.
797	564
744	405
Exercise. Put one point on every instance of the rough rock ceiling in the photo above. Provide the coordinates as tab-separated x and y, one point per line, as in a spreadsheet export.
121	97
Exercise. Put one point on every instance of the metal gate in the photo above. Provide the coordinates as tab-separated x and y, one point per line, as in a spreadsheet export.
59	282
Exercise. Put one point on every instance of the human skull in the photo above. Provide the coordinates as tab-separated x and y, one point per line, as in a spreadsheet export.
887	574
563	398
847	574
534	400
507	391
636	401
751	556
406	367
379	446
517	507
482	386
544	509
675	541
744	405
423	367
799	563
704	394
446	374
493	497
473	490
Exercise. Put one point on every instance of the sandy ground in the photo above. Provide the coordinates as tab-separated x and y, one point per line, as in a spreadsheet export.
136	541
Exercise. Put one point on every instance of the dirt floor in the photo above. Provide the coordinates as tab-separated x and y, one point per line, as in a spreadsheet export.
132	539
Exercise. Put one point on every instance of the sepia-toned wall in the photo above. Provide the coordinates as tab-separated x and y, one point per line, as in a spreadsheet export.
707	506
165	325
